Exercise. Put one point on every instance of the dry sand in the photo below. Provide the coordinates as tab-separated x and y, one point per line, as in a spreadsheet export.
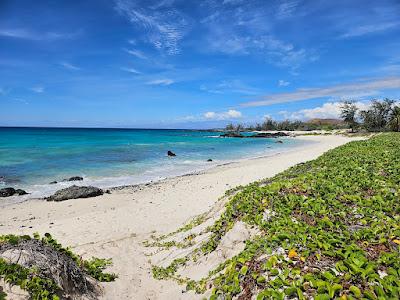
115	225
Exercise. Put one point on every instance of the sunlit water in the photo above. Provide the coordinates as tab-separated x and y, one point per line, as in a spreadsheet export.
30	158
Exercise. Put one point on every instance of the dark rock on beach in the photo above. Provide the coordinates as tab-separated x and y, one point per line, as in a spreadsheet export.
8	192
53	182
75	192
20	192
209	160
170	153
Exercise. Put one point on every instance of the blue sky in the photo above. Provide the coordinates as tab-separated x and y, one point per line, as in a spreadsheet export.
192	64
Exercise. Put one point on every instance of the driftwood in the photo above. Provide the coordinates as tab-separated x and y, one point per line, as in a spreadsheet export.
54	265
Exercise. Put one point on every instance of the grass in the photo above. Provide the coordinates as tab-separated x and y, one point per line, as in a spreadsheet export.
334	230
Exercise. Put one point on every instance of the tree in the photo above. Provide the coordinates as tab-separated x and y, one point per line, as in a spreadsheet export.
348	114
377	117
230	127
394	118
239	127
269	124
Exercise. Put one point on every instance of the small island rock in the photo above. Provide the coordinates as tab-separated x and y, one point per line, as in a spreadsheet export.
75	178
170	153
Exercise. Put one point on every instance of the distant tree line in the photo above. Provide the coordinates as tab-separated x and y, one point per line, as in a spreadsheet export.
288	125
382	115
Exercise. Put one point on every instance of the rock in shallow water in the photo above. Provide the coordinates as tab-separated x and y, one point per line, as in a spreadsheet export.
8	192
75	192
170	153
74	178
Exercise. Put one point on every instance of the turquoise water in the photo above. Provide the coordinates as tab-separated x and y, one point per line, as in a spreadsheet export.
30	158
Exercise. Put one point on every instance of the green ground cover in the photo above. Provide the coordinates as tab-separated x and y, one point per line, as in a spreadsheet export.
332	230
48	260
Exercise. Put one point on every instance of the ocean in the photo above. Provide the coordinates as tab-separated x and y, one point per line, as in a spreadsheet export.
31	158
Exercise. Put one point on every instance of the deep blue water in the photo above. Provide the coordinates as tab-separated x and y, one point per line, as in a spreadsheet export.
30	158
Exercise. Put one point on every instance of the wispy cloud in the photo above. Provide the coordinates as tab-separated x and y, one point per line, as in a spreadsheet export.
283	83
22	33
163	82
227	115
276	51
37	89
369	29
137	53
21	100
286	9
359	88
131	70
164	26
230	86
69	66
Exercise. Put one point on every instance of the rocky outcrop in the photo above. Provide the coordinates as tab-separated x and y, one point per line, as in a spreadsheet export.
74	178
269	134
75	192
257	135
232	134
170	153
8	192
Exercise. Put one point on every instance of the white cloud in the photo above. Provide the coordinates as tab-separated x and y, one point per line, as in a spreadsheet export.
283	83
230	86
164	27
276	51
131	70
164	82
266	116
286	9
329	110
22	33
69	66
136	53
358	88
21	100
230	114
37	89
369	29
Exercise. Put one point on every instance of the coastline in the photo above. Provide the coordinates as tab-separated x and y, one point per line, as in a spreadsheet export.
115	225
159	169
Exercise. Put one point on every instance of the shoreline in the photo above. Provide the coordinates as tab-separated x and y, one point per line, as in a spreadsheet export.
199	170
115	225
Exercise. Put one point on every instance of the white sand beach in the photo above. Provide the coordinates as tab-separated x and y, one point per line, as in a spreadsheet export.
115	225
